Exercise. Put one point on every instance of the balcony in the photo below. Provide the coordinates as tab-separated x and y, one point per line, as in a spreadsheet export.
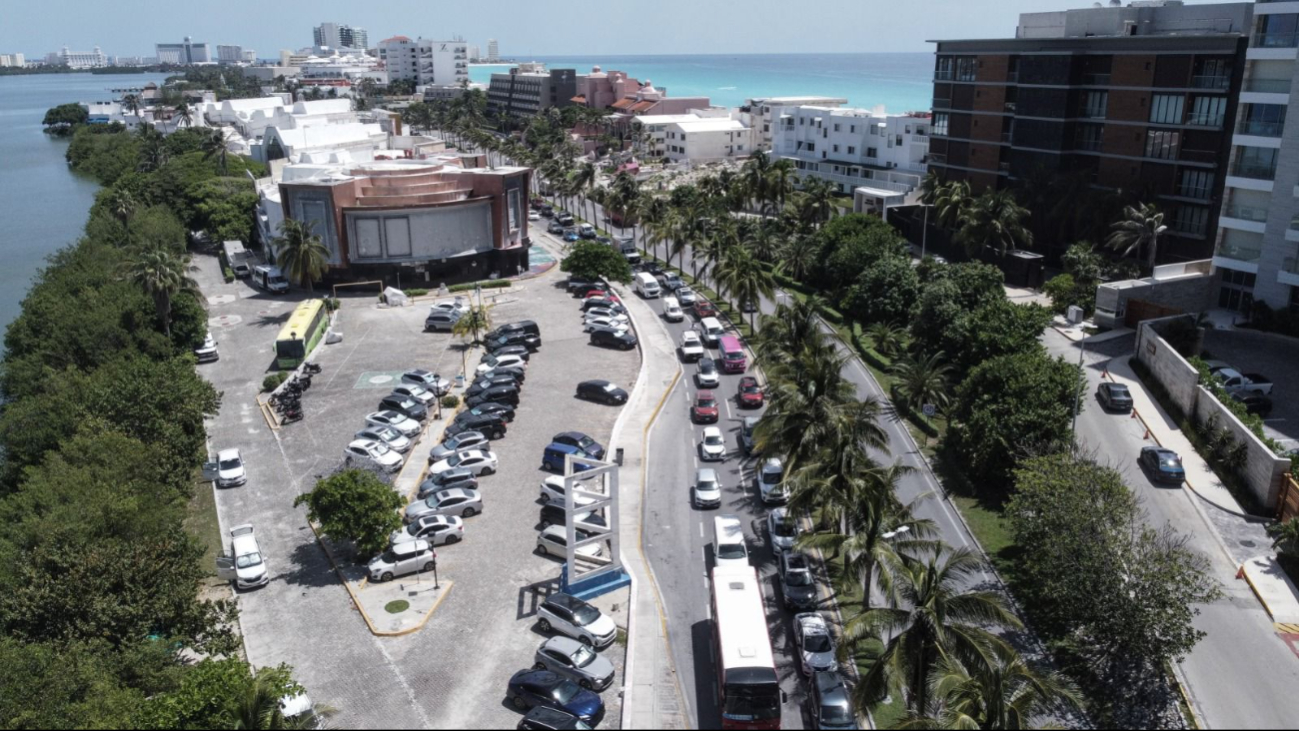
1205	120
942	103
1087	144
1275	40
1238	253
1260	129
1213	81
1095	79
1268	86
1254	171
937	159
1246	213
944	75
1009	107
1291	265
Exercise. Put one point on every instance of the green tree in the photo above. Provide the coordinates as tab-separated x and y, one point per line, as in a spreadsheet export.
354	505
885	292
301	253
476	322
1005	693
163	275
1000	327
1138	229
214	148
950	203
743	276
64	119
1285	537
184	115
887	338
592	260
123	205
994	222
923	379
217	694
64	685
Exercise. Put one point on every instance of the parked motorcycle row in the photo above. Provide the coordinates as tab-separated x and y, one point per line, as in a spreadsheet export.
287	401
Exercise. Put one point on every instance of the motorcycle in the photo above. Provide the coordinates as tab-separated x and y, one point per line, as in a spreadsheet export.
311	368
291	416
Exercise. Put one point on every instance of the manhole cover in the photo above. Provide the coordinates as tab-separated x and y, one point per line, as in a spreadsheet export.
1248	544
224	321
221	299
379	380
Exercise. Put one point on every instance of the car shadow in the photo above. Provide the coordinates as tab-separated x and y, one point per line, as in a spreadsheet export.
532	596
703	650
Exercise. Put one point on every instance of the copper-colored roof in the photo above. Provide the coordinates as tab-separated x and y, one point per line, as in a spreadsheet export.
396	38
641	106
623	103
579	99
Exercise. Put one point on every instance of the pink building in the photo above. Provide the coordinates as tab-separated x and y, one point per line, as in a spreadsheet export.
625	95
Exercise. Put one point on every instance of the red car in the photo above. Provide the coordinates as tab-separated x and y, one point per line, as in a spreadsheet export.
597	292
704	308
750	394
704	410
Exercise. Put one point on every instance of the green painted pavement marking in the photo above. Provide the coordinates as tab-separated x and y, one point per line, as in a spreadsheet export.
378	379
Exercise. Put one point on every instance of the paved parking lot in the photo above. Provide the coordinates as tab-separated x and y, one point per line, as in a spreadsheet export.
452	674
1274	356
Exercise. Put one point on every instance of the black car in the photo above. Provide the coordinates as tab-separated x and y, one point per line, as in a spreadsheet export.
527	326
454	477
1114	396
493	425
519	350
606	302
601	391
405	405
746	434
623	340
505	412
531	688
514	337
515	372
485	382
547	211
1255	403
557	515
581	441
546	719
1163	465
652	267
581	284
504	395
830	702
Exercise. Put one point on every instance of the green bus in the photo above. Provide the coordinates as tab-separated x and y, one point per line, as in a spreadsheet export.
305	328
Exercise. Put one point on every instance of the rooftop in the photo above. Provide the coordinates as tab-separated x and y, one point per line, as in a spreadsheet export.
706	124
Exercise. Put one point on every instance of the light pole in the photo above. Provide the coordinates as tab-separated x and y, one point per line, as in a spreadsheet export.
1154	250
924	232
1082	389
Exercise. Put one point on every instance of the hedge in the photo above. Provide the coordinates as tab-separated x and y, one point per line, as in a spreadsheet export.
273	381
485	284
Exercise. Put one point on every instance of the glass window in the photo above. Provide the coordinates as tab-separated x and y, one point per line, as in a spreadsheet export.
1196	184
1090	137
1256	162
1208	111
1166	108
1095	104
1192	220
1161	144
965	68
940	123
946	64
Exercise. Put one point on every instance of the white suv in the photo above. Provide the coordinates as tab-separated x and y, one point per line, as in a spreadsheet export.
230	468
573	617
401	559
770	481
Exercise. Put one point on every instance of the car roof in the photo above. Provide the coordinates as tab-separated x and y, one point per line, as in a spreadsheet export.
596	382
813	622
561	447
451	492
780	514
705	393
579	436
411	546
225	454
705	474
362	443
711	430
420	372
566	645
828	682
568	601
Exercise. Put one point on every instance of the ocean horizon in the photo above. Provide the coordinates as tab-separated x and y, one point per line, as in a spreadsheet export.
899	82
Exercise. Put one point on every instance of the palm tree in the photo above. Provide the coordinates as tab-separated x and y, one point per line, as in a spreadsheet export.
799	256
1005	693
923	380
755	175
131	104
1140	227
888	338
214	146
931	187
477	320
301	253
930	615
654	225
808	399
163	274
780	181
743	276
184	117
950	202
791	330
996	222
1285	537
122	204
258	709
818	194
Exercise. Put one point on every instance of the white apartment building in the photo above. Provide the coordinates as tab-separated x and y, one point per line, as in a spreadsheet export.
493	50
656	127
230	54
424	61
856	148
707	135
185	53
474	53
16	60
760	111
1256	256
335	35
77	59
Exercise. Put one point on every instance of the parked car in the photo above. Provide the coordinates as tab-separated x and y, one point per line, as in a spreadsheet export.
401	559
389	436
576	283
528	340
782	527
555	227
1114	396
704	409
607	312
606	322
581	441
586	231
556	456
686	296
458	305
518	373
534	216
508	395
429	380
458	501
530	688
575	661
1234	381
622	339
770	482
1255	403
797	584
692	348
1163	465
750	394
477	461
369	451
404	425
230	469
553	492
566	219
438	530
495	379
491	362
712	447
553	541
458	443
519	350
243	563
830	703
612	304
570	235
547	211
704	308
816	651
747	442
707	375
555	515
416	393
493	425
572	617
526	326
445	480
403	405
602	391
207	352
541	718
707	490
441	321
505	411
598	291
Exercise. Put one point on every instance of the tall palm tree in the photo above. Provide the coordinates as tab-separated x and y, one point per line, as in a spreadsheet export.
301	253
807	398
131	104
923	379
122	204
214	147
799	256
887	337
163	273
1139	228
996	222
950	202
1005	693
477	320
743	276
931	614
654	224
931	187
755	175
780	181
184	116
818	194
791	330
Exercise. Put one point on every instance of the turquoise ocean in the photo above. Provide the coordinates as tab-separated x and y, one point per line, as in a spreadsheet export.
901	82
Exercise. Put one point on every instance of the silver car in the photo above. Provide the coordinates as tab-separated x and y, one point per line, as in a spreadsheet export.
429	380
576	661
387	435
401	559
783	529
460	442
415	393
816	651
459	501
436	529
404	425
707	490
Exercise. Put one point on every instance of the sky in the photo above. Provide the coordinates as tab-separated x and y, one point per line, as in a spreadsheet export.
524	28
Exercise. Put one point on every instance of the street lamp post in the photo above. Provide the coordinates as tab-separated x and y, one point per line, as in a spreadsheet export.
1082	389
1154	252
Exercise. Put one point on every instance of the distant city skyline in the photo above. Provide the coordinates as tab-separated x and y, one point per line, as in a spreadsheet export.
525	29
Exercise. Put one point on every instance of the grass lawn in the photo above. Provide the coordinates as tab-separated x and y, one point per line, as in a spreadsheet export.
201	520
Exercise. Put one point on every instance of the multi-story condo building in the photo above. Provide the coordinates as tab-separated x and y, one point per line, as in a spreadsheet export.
493	50
12	59
184	54
1139	98
760	112
230	54
334	35
474	53
1257	252
424	61
529	88
77	59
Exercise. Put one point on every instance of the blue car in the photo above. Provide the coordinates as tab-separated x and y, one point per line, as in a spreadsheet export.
1162	464
554	456
571	236
531	688
577	439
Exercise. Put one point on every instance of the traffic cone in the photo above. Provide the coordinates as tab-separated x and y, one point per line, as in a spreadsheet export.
1240	572
1147	436
1105	372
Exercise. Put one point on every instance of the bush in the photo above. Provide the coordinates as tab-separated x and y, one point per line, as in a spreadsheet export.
273	381
450	401
227	274
331	303
354	505
485	284
415	292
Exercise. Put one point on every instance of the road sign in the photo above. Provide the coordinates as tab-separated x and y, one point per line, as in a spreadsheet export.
929	410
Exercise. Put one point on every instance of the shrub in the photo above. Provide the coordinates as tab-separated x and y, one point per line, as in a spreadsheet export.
450	401
485	284
415	292
331	303
273	381
227	274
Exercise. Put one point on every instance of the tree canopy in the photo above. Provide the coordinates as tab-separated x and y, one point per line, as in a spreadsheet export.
592	259
354	505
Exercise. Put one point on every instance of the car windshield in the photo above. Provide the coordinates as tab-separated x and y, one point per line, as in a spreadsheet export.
714	440
707	402
231	464
750	388
816	643
707	486
414	529
731	550
798	578
564	692
783	528
389	556
836	714
707	365
455	460
1170	460
249	560
385	433
610	388
378	448
585	615
583	657
773	474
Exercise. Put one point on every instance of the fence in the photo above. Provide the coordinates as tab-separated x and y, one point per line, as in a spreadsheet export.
1287	506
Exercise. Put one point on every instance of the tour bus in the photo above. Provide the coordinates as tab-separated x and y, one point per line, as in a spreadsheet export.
306	326
647	286
733	358
750	689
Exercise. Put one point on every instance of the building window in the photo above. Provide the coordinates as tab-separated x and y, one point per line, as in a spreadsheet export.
940	123
1256	162
836	127
852	150
1167	108
811	147
872	152
1094	104
1263	120
1208	111
1161	144
1237	291
965	68
1192	220
852	129
1196	184
945	71
836	148
1090	137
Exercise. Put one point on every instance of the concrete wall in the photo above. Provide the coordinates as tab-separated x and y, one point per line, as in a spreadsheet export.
1179	378
1188	286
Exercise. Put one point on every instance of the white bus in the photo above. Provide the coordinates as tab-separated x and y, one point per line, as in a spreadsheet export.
746	672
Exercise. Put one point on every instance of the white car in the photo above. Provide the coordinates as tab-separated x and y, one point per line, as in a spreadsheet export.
816	652
770	482
783	529
244	563
457	305
552	492
401	559
713	446
230	468
573	617
553	541
405	426
416	393
707	375
616	322
429	380
534	216
207	352
692	348
375	452
606	312
475	460
707	490
389	436
685	295
493	362
461	501
436	529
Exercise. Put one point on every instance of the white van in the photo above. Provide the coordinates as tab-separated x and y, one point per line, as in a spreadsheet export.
711	329
672	310
270	279
729	547
647	286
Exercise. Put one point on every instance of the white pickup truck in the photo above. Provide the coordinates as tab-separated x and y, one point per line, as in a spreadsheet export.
1236	382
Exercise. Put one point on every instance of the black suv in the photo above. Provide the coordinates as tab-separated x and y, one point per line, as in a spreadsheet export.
601	391
496	379
508	395
493	425
624	340
505	412
527	326
513	337
404	405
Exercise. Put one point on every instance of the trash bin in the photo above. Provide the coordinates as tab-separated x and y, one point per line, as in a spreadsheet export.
460	380
617	456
